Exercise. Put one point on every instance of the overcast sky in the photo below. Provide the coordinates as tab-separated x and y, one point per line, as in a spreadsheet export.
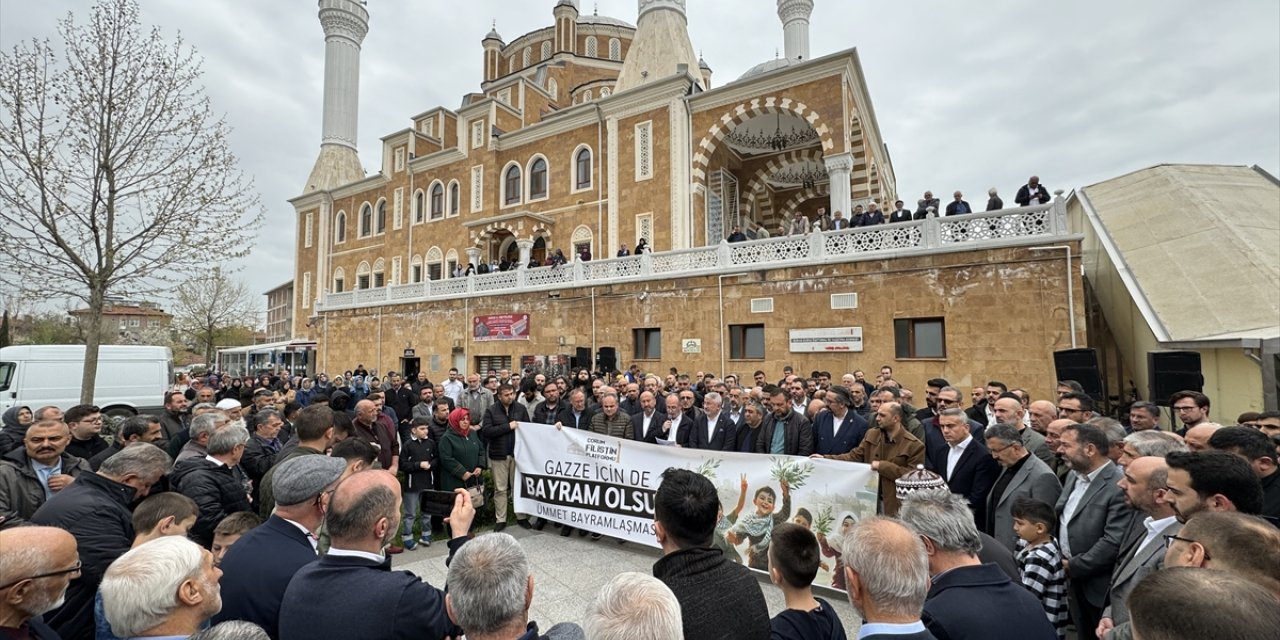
968	95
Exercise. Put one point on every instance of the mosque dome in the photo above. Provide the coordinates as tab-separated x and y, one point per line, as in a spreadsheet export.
766	67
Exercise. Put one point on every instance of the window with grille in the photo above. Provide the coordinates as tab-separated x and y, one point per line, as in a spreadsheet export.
546	49
647	344
310	227
615	49
435	271
306	294
362	282
485	364
920	338
477	188
593	49
644	150
746	341
379	280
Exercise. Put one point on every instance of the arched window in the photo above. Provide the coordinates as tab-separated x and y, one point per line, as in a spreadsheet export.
415	270
419	206
339	280
593	49
527	57
340	228
582	169
615	49
538	179
581	239
586	96
604	92
546	49
553	88
454	195
379	273
380	219
437	201
435	264
511	65
366	220
511	185
450	263
362	276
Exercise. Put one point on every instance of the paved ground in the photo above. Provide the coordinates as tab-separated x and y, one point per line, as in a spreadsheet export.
569	571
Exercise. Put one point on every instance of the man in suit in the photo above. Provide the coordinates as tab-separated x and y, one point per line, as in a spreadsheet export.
838	430
258	567
1031	191
1093	519
1141	553
712	429
1008	409
1023	476
646	425
879	556
958	206
363	517
963	587
899	214
965	464
935	444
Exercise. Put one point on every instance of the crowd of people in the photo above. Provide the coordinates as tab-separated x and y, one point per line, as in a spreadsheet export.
269	507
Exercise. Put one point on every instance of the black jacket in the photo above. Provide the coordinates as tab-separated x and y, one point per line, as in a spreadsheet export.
256	573
798	440
722	598
496	428
96	511
216	491
583	422
543	414
412	453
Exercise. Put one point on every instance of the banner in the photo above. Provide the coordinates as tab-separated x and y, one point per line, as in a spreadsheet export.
502	327
606	485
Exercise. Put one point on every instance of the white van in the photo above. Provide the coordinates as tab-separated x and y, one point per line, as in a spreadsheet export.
131	379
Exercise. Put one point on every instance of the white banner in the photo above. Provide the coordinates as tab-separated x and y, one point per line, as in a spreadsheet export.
606	485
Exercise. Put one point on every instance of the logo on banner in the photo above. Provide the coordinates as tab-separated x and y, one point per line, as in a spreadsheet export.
600	449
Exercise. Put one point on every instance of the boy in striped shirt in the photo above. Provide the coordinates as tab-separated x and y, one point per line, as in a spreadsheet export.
1040	559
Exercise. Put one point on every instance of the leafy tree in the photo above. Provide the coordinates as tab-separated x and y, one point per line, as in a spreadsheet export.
116	172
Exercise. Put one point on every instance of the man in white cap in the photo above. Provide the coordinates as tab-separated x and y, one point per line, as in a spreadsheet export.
232	409
258	568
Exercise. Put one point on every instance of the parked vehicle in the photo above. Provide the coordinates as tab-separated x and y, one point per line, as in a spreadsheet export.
131	379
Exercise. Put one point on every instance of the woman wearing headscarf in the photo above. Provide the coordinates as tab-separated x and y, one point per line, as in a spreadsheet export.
303	396
231	390
460	453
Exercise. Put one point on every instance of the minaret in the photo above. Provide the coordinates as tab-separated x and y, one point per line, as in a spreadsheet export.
660	46
795	27
492	54
345	24
566	14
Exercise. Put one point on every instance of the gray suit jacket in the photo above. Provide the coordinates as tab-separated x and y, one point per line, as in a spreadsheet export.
1035	443
1133	566
1033	480
1095	531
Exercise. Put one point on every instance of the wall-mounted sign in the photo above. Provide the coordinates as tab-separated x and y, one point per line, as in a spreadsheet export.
691	345
409	353
512	326
820	340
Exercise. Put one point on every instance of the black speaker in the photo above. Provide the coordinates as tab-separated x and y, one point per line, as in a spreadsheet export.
606	359
1080	365
1169	372
581	358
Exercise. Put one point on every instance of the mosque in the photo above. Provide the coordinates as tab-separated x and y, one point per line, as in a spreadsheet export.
594	134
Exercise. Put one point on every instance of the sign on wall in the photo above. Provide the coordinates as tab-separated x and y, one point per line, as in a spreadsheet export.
823	340
691	345
511	326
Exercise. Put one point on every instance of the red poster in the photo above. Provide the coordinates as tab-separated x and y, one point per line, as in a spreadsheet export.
513	326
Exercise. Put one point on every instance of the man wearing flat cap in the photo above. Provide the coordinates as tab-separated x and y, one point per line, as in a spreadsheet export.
258	568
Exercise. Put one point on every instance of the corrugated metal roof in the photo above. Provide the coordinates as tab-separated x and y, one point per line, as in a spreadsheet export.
1202	243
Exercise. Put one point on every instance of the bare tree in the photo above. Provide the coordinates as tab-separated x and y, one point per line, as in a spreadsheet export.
115	171
209	306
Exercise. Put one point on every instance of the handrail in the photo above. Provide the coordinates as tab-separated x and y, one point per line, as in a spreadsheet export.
1007	227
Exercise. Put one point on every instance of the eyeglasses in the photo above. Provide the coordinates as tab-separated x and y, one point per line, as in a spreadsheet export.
1169	538
75	569
1185	408
945	401
1000	450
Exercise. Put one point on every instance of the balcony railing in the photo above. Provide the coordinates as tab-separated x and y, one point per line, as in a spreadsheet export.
1006	228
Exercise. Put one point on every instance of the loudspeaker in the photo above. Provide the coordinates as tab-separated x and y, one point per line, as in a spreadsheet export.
1080	365
1169	372
606	359
581	358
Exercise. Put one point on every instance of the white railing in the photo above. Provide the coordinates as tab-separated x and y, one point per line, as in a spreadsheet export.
1009	227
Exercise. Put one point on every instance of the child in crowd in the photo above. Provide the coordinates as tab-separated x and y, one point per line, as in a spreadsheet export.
160	515
755	527
793	564
230	530
418	460
1040	559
